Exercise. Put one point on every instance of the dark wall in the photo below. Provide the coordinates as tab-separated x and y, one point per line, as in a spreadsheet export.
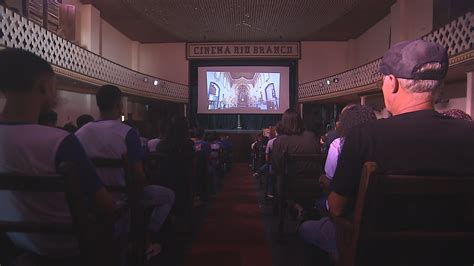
229	121
445	11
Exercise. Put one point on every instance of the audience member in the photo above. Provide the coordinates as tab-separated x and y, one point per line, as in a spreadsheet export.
203	150
175	169
27	81
162	129
48	118
457	114
83	119
70	127
353	116
109	138
294	140
412	141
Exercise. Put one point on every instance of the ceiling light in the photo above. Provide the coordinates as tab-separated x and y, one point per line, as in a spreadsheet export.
145	80
335	80
155	82
328	82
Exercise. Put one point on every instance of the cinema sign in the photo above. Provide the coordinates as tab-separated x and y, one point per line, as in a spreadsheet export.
243	50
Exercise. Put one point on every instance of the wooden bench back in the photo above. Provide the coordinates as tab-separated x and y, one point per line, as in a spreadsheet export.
68	182
134	193
299	184
413	215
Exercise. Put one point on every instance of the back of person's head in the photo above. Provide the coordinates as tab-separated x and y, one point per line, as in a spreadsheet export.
20	70
457	114
24	72
84	119
354	116
70	127
418	67
109	98
291	123
48	118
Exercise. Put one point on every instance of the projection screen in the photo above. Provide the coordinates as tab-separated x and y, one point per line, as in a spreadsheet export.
243	90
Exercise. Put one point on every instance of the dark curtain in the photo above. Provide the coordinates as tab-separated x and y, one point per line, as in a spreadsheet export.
229	121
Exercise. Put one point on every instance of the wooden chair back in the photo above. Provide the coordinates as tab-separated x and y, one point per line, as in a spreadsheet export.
177	172
408	220
300	181
68	182
298	185
134	193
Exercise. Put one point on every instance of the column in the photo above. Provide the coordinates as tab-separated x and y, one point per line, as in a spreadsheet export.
470	93
90	28
125	107
135	55
363	100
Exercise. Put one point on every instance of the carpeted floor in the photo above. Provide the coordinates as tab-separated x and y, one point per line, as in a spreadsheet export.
233	233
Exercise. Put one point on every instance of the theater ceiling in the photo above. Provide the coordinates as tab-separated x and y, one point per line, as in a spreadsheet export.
150	21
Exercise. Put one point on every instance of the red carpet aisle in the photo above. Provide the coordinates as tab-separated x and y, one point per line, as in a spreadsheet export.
233	233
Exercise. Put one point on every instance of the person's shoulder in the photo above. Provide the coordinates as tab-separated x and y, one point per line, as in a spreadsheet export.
336	142
40	131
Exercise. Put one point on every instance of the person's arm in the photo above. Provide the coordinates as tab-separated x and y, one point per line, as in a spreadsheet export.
337	204
70	150
135	156
332	158
345	183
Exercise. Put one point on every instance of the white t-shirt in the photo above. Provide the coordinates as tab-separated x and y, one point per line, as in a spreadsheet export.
152	144
333	155
269	147
32	149
110	139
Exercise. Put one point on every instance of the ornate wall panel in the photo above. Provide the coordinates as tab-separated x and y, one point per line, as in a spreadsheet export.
73	61
457	37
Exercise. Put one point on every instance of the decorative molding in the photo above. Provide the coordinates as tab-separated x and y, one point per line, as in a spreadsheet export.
265	50
457	36
76	62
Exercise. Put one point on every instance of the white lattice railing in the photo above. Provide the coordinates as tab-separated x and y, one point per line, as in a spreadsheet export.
74	61
457	37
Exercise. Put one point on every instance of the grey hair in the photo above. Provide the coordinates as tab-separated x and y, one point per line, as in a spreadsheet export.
422	86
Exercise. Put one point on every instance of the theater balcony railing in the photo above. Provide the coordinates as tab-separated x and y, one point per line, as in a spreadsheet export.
457	36
76	63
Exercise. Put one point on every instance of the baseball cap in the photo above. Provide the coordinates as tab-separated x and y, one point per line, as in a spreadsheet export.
404	59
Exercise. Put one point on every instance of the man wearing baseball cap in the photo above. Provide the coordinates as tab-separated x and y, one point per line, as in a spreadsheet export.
416	140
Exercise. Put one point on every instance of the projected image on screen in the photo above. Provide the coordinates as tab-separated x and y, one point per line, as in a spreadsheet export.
249	90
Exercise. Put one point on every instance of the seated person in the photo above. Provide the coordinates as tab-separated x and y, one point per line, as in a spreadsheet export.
179	149
83	119
110	138
27	81
293	140
162	128
353	116
412	141
48	118
203	151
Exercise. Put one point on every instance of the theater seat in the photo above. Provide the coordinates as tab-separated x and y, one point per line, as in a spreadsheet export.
408	220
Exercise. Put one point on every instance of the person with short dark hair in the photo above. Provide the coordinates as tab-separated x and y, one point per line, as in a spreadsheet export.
70	127
110	138
411	142
83	119
48	118
457	114
28	83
